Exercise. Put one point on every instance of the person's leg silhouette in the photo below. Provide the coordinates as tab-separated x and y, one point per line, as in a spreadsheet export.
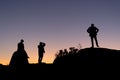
92	42
96	41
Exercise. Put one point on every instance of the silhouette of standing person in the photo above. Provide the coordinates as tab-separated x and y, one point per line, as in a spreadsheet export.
93	30
22	53
20	56
41	51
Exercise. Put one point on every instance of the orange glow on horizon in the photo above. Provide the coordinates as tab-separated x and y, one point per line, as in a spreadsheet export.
49	55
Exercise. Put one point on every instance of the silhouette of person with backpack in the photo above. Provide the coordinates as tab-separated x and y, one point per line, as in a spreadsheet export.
93	30
41	51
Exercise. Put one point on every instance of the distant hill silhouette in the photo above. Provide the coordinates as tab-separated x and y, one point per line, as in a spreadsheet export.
76	65
91	56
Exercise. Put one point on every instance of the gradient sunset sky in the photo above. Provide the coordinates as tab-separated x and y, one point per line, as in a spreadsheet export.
59	23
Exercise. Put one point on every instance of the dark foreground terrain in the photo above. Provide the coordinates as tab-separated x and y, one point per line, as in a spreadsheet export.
86	63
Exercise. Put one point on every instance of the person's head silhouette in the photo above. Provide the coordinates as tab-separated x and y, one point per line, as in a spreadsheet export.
92	25
42	44
22	40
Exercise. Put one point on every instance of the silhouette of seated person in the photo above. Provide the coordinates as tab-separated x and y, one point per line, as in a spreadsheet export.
93	30
41	51
20	56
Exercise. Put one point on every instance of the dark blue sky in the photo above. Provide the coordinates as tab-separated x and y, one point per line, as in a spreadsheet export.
59	23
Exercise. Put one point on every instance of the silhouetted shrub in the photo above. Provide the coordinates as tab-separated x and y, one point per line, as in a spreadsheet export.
65	52
90	56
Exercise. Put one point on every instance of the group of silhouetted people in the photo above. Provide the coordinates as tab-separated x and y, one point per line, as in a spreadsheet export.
20	56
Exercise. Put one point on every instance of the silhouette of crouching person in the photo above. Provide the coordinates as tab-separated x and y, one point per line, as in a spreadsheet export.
41	51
